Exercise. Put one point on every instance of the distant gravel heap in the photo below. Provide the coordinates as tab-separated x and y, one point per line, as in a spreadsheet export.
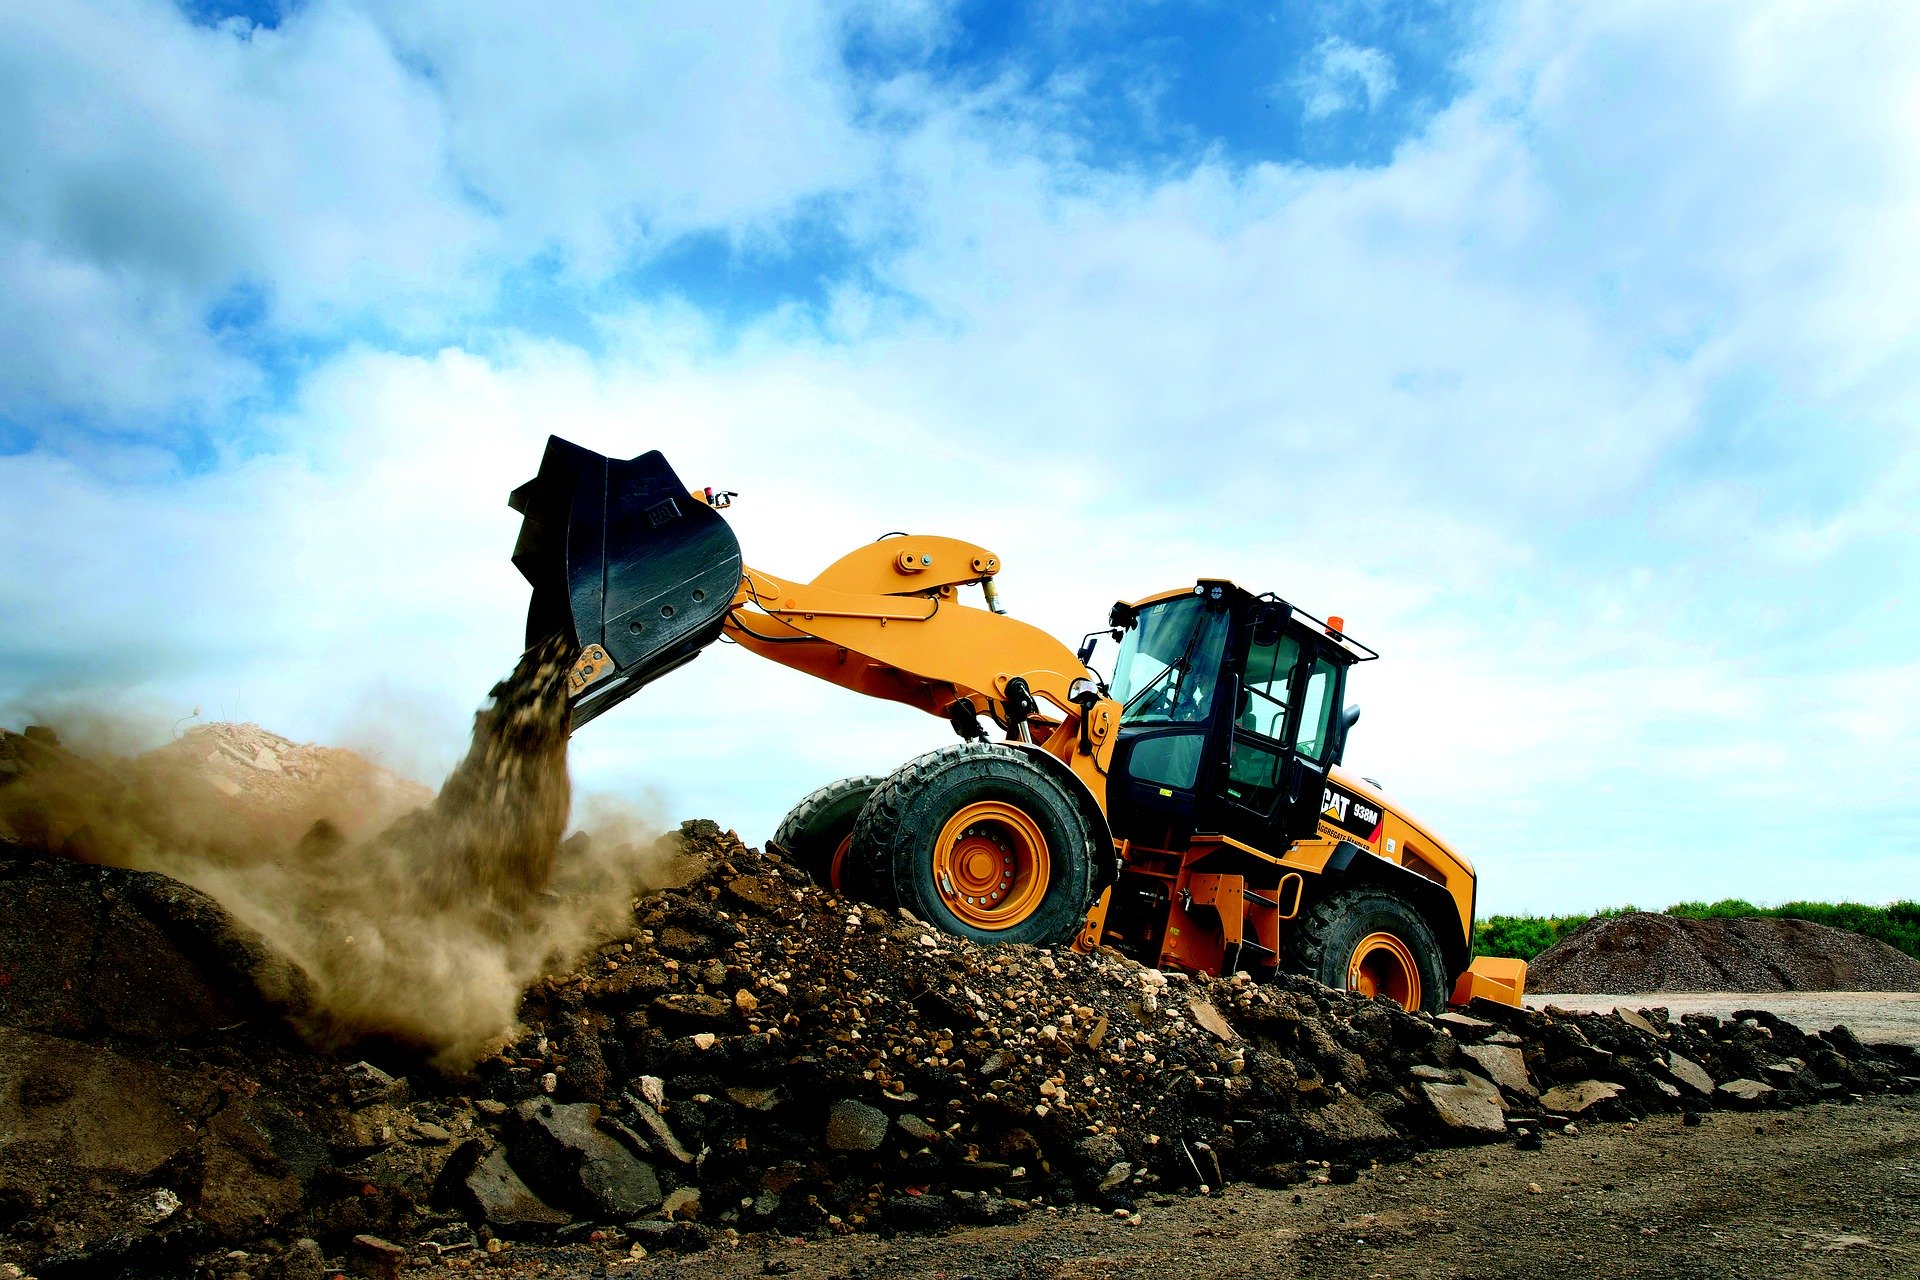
1644	951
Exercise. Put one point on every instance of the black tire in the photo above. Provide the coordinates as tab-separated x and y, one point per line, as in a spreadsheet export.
811	832
893	857
1323	941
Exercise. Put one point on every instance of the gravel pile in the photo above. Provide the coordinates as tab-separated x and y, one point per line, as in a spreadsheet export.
753	1054
1644	951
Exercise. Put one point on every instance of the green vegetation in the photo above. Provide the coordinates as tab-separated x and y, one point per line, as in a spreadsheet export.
1525	937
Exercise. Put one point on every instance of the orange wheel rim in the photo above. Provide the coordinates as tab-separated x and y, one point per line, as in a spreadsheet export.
1382	965
991	865
834	868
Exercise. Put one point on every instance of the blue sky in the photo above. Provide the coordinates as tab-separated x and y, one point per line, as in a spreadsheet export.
1569	351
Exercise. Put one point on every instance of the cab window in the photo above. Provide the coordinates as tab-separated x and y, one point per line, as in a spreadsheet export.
1317	707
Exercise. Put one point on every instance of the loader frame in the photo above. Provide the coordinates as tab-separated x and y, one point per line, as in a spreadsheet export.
888	620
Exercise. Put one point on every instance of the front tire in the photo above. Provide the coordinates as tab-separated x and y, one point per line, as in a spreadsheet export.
979	841
817	832
1372	942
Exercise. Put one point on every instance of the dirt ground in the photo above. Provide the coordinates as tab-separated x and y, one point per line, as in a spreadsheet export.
1828	1190
1877	1017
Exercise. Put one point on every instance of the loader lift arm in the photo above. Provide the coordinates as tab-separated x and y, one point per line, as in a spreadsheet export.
642	572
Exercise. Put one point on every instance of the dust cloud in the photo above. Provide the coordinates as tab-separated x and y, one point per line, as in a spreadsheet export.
419	920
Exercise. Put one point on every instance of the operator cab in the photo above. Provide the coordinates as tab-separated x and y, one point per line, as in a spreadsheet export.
1233	709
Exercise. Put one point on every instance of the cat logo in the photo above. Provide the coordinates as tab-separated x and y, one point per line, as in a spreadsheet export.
1350	813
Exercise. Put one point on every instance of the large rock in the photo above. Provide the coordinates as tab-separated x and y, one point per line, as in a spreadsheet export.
1748	1093
854	1126
1580	1097
562	1152
1506	1066
89	1111
1348	1122
97	950
1690	1074
1470	1109
494	1192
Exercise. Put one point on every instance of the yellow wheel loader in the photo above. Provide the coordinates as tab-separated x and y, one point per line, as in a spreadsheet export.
1190	811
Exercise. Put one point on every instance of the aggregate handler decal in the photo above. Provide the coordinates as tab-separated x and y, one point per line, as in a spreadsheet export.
1351	814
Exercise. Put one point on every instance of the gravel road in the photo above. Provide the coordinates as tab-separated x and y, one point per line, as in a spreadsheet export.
1877	1017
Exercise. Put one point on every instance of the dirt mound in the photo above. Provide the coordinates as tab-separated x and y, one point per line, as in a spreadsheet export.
1644	951
426	928
283	786
749	1053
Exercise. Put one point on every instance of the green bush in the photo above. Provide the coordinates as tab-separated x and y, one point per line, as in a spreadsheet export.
1524	937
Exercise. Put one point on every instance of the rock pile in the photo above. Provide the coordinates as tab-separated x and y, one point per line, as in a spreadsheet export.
1644	951
754	1054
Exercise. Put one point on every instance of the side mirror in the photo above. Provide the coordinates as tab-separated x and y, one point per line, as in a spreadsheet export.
1349	717
1085	652
1266	625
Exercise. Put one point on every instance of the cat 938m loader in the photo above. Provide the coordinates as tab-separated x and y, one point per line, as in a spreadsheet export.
1189	811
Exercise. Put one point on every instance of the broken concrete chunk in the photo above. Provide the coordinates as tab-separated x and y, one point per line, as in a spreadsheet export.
562	1151
1579	1098
1471	1108
1506	1066
368	1084
1690	1074
855	1126
657	1133
302	1260
1748	1092
1635	1021
375	1258
751	1099
499	1196
1464	1027
1347	1121
1210	1019
682	1202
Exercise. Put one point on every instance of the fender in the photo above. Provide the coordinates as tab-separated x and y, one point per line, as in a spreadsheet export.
1106	868
1352	864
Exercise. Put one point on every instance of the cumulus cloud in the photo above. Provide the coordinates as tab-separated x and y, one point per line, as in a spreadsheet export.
1344	77
366	167
1587	410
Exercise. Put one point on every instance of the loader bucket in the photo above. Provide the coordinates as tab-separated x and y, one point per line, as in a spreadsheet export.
625	563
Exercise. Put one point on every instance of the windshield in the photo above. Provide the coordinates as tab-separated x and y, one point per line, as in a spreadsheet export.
1169	662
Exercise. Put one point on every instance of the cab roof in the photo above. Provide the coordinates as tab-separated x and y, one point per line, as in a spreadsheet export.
1355	651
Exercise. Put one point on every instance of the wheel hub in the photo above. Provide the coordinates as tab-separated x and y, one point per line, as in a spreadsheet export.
1383	965
991	865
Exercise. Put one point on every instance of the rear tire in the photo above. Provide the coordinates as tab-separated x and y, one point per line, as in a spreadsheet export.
1371	941
979	841
815	833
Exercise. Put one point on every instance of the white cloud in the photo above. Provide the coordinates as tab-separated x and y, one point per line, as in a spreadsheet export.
1586	410
1343	77
370	166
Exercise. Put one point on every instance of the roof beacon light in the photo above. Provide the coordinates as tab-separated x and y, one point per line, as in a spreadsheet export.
1336	624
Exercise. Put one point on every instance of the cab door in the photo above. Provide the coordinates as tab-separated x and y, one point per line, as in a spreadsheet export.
1276	776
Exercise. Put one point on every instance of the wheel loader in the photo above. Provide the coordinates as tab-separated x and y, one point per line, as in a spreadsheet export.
1189	810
